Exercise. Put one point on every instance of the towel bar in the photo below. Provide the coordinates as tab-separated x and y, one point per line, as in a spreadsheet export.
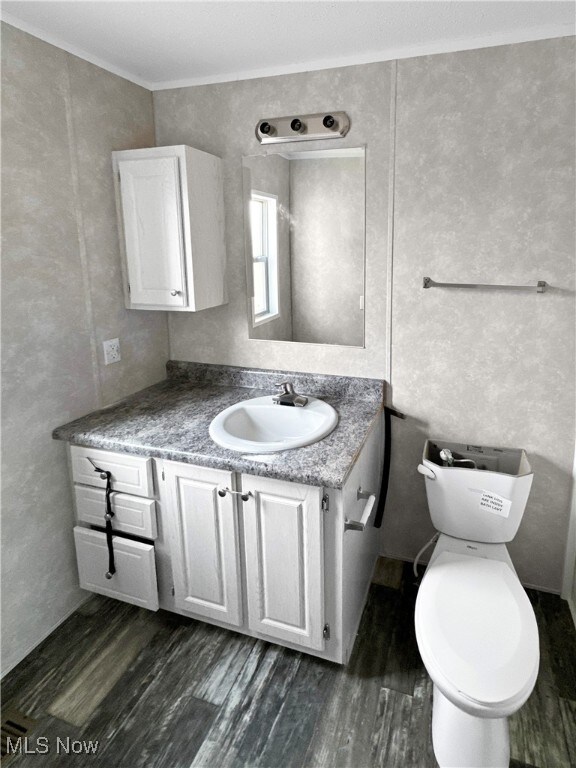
540	286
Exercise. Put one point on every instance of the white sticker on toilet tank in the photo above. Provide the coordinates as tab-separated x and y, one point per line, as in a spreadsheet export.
492	502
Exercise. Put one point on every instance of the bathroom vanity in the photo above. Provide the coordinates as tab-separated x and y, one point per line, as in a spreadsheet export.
270	545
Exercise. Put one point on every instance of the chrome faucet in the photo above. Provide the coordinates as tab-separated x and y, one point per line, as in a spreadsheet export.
288	396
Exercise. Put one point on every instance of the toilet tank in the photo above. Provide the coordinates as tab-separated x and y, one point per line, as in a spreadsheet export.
484	504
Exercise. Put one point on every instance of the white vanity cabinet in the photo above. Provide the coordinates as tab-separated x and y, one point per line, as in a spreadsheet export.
283	561
171	224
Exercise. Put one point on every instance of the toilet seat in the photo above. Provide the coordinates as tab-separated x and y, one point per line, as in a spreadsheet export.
477	634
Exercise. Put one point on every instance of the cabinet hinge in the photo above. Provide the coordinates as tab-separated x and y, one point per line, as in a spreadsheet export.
325	503
326	632
163	475
172	590
129	289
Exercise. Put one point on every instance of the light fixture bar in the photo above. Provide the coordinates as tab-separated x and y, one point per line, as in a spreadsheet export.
323	125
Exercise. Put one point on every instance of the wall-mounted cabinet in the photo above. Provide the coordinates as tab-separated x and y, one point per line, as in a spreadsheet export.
171	224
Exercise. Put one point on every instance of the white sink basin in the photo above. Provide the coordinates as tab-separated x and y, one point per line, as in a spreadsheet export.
261	426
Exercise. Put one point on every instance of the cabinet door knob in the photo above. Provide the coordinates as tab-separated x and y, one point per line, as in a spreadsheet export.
175	293
244	496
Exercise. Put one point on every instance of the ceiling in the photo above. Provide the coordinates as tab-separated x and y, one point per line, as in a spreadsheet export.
170	44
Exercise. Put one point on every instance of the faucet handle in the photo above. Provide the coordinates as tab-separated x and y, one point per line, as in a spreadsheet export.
287	388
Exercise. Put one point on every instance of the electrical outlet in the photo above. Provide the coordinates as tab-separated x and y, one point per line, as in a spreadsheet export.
112	351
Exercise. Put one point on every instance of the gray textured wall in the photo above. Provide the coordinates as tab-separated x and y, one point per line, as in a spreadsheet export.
327	244
485	193
61	297
221	119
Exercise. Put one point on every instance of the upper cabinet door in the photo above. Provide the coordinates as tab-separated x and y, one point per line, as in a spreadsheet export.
170	204
283	529
152	212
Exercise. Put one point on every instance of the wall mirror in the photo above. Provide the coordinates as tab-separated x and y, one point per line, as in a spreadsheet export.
304	243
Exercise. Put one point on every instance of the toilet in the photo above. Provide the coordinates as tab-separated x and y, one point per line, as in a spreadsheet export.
475	627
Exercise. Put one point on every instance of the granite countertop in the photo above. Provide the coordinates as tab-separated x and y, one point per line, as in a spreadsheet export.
170	420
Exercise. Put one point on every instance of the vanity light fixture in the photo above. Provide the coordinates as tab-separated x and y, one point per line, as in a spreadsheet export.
323	125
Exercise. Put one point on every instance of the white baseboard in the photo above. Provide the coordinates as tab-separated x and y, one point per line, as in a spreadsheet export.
46	634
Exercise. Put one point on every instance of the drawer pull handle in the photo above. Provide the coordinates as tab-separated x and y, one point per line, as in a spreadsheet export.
103	475
244	496
108	515
360	525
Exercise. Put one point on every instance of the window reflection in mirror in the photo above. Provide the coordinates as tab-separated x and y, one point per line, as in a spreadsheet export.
264	241
305	230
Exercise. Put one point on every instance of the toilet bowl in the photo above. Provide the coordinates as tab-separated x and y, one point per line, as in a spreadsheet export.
478	638
475	626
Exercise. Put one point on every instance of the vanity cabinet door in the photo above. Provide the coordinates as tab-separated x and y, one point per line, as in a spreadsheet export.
204	540
283	530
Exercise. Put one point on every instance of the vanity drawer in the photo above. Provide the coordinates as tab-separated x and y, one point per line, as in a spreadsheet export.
135	577
130	474
132	514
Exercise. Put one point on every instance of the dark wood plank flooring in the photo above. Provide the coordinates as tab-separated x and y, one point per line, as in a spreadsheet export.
163	691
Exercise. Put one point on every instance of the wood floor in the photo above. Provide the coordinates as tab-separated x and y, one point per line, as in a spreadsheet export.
162	691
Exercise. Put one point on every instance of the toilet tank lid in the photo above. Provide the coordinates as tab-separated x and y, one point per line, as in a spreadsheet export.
476	627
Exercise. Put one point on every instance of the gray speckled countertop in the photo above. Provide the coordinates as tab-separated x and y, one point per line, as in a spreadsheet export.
170	420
